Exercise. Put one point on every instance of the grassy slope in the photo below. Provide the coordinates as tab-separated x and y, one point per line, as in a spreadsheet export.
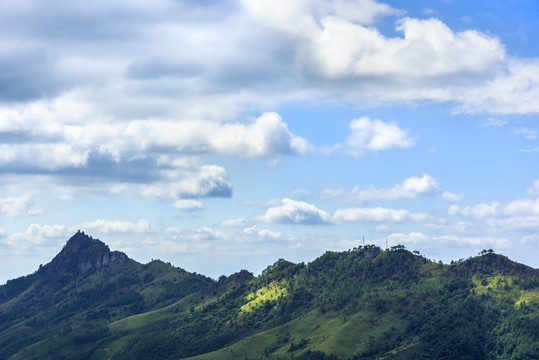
378	322
365	303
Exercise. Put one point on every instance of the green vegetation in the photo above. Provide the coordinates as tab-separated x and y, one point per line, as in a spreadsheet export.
365	303
269	293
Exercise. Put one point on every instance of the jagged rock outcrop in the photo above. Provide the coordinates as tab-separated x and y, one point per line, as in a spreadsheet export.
82	254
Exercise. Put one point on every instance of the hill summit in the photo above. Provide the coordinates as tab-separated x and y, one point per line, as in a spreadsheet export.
81	254
364	303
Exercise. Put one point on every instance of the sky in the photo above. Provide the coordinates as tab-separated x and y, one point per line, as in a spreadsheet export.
224	135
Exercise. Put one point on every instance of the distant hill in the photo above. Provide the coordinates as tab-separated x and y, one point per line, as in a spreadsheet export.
365	303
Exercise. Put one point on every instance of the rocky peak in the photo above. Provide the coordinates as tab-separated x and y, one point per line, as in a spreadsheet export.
81	254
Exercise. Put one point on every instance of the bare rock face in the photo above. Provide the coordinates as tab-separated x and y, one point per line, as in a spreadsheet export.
82	254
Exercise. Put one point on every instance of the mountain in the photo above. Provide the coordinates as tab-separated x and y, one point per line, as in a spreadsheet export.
365	303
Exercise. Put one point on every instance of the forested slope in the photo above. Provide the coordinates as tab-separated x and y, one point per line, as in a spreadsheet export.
365	303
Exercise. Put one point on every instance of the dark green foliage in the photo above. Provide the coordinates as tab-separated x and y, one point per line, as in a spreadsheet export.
316	355
300	345
364	303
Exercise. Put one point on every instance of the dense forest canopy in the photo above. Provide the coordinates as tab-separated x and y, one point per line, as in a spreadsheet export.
93	303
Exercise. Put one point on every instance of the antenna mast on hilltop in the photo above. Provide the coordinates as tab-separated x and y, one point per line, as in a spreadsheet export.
386	244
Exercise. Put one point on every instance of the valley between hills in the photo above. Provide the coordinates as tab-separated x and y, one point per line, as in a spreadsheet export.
366	303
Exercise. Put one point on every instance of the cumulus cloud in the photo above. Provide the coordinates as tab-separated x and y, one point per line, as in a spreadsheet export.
293	46
410	188
511	92
188	204
411	238
377	214
299	212
450	196
300	17
177	242
295	212
14	206
427	61
42	156
41	139
208	181
115	226
234	222
35	235
262	232
516	215
340	43
421	238
534	188
268	135
157	157
376	135
481	210
499	242
527	133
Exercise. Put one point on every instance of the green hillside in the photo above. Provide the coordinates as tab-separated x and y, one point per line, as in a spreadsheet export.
365	303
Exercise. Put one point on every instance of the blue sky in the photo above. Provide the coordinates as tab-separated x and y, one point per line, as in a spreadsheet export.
224	135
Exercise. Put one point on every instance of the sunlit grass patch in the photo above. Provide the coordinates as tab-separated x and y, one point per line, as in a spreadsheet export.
270	292
528	297
490	284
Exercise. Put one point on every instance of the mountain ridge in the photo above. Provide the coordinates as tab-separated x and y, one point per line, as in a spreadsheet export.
358	304
82	253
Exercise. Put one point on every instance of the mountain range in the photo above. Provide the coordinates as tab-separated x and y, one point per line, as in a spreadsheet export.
365	303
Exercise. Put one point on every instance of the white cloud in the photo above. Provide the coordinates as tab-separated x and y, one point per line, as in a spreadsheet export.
428	50
496	122
301	17
478	211
264	203
301	194
42	156
530	150
428	61
527	133
268	135
295	212
483	241
269	233
178	243
209	233
534	188
299	212
262	232
513	91
376	214
360	11
411	238
35	235
209	180
115	226
234	222
516	215
70	145
14	206
449	196
421	238
292	45
376	135
188	204
430	12
410	188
